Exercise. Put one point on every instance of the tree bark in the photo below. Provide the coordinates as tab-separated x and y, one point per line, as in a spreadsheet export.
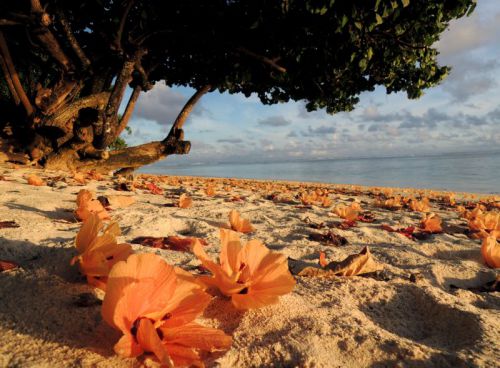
10	83
73	42
47	38
70	112
4	50
186	110
105	133
128	111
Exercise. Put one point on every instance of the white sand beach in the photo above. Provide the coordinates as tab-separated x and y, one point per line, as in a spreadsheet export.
417	312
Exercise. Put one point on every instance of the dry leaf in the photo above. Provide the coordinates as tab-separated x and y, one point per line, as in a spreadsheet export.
409	231
239	224
366	217
8	224
356	264
170	242
346	225
7	265
329	238
117	201
153	188
185	201
35	180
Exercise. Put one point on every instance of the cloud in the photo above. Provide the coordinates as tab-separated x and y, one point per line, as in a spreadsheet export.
319	131
469	33
162	105
230	140
432	118
470	77
274	121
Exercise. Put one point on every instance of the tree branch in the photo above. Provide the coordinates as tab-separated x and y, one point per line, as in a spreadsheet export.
128	110
4	50
176	129
110	114
7	22
261	58
46	37
10	84
119	34
73	41
135	157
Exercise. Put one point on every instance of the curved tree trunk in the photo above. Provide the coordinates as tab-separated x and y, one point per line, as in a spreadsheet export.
131	157
66	116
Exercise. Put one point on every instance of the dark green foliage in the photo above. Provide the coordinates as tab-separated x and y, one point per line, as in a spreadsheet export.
332	50
120	142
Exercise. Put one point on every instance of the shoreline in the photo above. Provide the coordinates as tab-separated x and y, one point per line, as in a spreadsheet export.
418	311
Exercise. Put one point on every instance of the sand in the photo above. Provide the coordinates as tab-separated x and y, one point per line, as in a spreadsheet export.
405	316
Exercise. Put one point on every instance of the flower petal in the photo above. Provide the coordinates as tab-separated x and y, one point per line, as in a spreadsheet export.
252	255
127	347
253	301
197	336
88	232
142	284
230	249
187	303
148	339
183	356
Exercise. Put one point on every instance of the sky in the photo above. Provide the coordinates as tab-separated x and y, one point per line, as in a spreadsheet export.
462	114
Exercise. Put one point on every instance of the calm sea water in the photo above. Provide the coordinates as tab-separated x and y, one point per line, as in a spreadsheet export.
478	172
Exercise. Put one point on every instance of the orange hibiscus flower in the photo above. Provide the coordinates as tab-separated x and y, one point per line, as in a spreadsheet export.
238	223
154	305
97	254
86	206
491	249
251	275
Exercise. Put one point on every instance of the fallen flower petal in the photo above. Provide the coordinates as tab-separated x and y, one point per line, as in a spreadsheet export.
346	212
153	188
431	223
322	259
239	224
86	206
185	201
251	275
98	253
35	180
154	304
491	250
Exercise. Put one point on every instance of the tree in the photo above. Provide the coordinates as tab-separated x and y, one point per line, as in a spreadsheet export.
67	64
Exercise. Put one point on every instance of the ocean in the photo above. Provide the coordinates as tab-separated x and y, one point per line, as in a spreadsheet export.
463	172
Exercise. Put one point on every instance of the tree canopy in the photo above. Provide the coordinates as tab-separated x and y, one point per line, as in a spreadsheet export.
67	64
